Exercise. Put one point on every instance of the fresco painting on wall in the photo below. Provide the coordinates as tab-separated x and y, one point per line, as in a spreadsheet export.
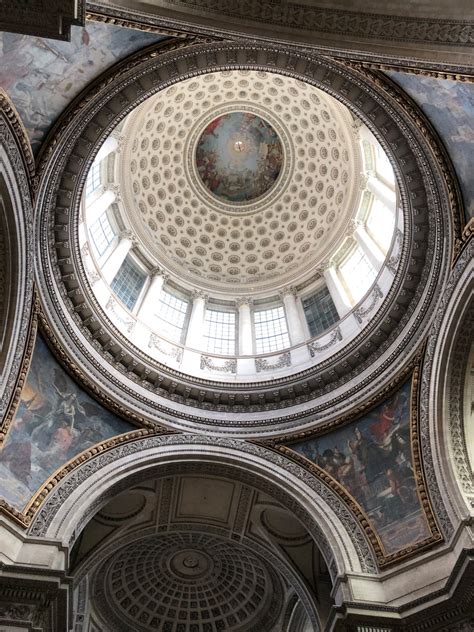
450	107
371	457
55	420
37	73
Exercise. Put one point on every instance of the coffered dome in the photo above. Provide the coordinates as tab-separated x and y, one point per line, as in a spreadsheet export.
187	582
240	180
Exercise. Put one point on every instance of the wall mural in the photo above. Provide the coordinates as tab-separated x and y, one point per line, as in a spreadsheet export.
239	156
42	76
371	457
54	422
450	107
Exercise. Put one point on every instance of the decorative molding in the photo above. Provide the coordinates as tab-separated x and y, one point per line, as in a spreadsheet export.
266	364
166	349
458	368
316	347
375	294
52	19
229	366
430	470
111	305
49	499
18	325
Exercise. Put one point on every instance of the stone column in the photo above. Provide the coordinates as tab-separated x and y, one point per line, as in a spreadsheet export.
151	296
296	329
369	247
245	326
336	289
382	192
194	336
101	204
117	256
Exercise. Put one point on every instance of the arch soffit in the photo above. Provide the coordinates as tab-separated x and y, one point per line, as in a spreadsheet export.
407	137
442	390
16	258
82	492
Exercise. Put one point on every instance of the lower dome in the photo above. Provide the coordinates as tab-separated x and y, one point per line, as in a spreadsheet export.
239	157
186	582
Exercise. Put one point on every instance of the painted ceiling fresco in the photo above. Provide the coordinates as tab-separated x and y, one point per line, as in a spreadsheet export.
450	107
54	422
43	76
371	457
239	157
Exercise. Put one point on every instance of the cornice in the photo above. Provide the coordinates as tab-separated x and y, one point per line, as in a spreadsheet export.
428	194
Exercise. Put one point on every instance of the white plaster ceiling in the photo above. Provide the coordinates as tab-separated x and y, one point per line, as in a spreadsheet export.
252	247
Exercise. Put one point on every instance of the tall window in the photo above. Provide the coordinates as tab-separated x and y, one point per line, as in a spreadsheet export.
383	165
219	331
320	311
101	234
128	283
171	314
93	178
271	331
380	225
358	274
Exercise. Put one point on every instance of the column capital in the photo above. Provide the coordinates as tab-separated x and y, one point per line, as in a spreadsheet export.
244	300
158	272
288	291
115	188
353	225
327	264
195	294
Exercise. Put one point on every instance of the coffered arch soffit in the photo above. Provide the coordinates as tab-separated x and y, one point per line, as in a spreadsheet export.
367	365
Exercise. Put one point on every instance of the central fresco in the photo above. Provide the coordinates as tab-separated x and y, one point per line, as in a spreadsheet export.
239	157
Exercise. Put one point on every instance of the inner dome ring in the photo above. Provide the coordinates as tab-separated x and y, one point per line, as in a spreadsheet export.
267	197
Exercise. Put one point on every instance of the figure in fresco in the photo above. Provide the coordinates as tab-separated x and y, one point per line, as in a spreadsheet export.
54	422
371	458
239	156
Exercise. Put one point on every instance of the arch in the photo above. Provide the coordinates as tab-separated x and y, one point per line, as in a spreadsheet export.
442	394
78	495
163	395
16	257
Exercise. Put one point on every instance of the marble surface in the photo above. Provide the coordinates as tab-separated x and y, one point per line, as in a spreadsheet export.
450	107
43	76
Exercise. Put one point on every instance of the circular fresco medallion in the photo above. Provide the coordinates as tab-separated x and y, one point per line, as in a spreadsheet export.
239	157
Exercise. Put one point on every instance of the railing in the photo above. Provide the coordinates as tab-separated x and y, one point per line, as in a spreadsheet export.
246	367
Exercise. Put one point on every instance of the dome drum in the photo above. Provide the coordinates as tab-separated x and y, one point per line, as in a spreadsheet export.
420	258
